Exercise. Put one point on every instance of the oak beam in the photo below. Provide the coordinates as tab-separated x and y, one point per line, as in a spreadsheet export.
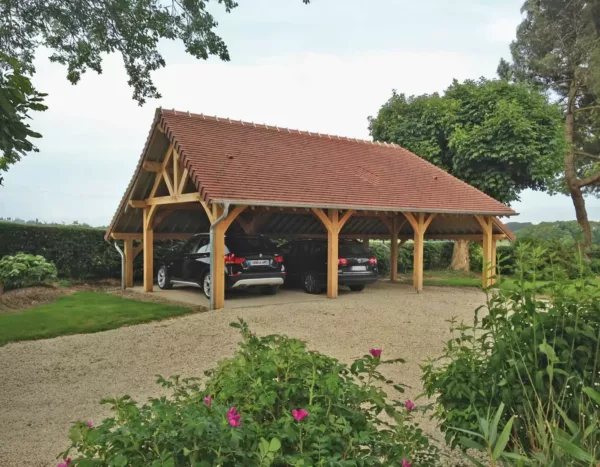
148	242
488	276
218	253
419	222
150	166
332	253
394	251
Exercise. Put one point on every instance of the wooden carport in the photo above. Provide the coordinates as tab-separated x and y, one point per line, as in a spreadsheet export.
200	173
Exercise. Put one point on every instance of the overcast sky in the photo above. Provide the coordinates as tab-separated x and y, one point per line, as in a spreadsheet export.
324	67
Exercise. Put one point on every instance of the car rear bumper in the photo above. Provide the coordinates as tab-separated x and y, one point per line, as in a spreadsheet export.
357	279
255	279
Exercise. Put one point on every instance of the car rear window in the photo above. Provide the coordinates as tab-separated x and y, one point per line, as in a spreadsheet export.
239	245
353	250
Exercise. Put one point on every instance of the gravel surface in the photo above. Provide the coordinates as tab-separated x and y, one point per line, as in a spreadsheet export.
47	384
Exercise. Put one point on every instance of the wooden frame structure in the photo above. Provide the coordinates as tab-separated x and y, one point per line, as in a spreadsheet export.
167	187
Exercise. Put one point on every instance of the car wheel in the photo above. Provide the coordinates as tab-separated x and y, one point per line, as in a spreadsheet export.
357	288
310	282
206	284
164	282
269	289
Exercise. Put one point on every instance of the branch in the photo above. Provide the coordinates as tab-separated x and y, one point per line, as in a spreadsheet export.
585	154
591	107
589	180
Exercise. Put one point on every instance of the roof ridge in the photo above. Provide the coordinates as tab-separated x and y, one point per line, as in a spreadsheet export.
280	128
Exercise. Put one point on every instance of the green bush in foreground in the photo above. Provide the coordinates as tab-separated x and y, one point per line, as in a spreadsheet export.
529	364
272	403
22	270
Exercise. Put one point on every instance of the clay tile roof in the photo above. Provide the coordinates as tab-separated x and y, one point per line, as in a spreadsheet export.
251	163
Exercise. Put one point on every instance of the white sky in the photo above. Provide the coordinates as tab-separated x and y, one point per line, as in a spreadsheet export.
323	67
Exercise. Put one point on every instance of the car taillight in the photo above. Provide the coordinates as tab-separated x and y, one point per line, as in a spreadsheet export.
342	262
232	259
373	260
278	259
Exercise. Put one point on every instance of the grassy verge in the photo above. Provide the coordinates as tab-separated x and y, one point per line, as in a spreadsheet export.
453	279
82	312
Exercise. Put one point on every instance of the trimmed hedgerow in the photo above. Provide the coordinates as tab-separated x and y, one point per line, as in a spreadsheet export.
77	252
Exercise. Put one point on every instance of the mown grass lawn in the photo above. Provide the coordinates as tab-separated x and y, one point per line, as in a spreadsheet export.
452	279
82	312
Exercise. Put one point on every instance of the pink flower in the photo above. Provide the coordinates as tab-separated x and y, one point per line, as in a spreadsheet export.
299	415
90	425
65	463
207	400
405	463
375	352
234	418
409	406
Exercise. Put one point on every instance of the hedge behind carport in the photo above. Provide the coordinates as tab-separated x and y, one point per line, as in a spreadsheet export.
78	252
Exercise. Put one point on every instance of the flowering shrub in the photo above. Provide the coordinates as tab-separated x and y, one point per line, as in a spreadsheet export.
538	357
23	270
272	403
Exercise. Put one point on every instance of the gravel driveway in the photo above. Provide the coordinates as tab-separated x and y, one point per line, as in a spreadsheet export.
45	385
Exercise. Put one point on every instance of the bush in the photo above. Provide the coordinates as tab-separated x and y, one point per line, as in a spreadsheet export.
536	357
273	403
436	255
24	270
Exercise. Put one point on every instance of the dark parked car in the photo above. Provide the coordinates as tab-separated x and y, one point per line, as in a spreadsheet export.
306	263
250	261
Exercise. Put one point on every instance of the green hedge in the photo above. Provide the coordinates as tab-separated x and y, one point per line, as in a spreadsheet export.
77	252
82	253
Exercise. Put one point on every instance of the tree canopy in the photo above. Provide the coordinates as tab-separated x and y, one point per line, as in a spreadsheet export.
78	32
558	49
17	98
498	136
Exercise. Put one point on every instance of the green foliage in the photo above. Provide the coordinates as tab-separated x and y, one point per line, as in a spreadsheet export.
498	136
567	233
558	48
350	420
436	255
17	98
24	270
80	32
526	353
77	252
82	312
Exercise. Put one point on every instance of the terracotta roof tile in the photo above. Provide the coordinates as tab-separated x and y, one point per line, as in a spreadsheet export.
261	164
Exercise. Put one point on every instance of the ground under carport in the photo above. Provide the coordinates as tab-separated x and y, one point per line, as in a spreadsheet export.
241	298
45	385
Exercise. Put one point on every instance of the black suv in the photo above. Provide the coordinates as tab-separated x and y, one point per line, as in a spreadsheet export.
250	261
306	263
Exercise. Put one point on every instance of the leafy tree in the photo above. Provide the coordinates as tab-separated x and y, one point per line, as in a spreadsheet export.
558	48
79	32
498	136
17	98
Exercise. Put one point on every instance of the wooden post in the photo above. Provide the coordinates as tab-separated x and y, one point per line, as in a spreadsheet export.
394	251
148	249
218	253
332	254
419	239
218	256
489	251
419	222
365	240
334	224
129	255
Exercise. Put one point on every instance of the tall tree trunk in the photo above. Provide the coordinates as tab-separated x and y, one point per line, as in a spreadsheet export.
460	256
571	175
